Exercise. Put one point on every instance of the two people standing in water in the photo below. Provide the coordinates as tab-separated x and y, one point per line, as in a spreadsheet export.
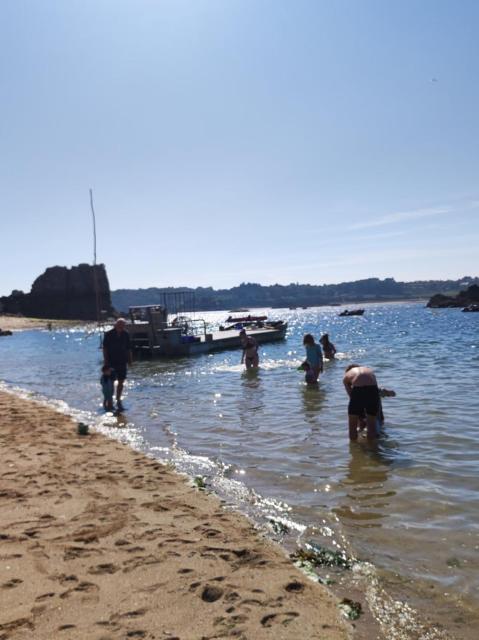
313	365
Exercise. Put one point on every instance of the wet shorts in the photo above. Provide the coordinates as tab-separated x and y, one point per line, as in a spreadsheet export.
364	399
120	370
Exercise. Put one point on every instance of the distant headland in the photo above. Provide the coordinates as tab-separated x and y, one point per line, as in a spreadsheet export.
467	298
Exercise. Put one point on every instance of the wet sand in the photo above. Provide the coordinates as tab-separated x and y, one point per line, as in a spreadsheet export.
98	541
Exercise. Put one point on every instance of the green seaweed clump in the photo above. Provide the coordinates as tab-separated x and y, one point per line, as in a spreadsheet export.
351	609
278	527
319	556
200	483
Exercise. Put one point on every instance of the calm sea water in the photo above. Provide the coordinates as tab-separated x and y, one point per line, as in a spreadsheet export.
278	449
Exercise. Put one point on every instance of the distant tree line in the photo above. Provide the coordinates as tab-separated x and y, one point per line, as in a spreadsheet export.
249	295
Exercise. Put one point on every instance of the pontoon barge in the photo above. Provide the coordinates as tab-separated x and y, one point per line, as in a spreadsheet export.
153	336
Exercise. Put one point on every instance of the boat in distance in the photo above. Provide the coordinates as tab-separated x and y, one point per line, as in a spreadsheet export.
153	335
353	312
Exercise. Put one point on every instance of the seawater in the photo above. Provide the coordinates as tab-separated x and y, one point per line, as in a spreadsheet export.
277	449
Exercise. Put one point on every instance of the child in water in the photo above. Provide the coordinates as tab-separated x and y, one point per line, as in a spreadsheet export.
328	347
314	359
309	376
107	383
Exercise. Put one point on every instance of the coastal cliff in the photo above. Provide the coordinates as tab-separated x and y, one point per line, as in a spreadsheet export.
63	293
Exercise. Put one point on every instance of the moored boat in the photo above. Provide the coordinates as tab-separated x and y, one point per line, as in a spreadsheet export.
353	312
248	318
153	334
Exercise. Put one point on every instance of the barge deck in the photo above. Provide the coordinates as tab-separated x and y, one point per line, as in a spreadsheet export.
152	335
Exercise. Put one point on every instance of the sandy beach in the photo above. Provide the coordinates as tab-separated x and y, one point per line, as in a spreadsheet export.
21	323
101	542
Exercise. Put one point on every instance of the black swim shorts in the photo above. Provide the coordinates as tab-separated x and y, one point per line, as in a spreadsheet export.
364	399
120	370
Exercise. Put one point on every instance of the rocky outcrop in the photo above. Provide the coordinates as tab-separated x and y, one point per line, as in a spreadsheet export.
463	299
64	294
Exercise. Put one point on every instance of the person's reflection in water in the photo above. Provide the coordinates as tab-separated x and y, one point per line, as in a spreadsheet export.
366	500
251	402
313	398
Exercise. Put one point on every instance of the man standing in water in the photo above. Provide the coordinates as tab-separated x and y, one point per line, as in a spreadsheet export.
362	388
117	355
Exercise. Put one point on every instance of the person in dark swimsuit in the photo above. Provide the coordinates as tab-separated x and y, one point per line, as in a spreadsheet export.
250	355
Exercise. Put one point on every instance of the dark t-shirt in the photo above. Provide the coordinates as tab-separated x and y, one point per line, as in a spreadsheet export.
117	346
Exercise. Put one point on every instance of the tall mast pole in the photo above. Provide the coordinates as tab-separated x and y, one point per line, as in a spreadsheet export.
94	227
95	276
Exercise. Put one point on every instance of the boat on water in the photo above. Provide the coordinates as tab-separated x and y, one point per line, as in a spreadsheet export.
5	333
244	319
471	308
155	332
353	312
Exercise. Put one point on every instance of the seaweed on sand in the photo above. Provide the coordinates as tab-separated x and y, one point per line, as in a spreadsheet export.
278	527
200	482
350	608
319	556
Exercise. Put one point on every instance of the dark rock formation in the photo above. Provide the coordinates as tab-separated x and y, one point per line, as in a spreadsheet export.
65	294
463	299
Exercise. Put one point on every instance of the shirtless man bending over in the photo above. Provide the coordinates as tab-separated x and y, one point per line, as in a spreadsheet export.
362	388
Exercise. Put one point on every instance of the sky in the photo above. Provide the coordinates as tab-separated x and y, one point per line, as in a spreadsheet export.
231	141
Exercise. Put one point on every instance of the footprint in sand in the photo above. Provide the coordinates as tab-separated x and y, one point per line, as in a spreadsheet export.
107	567
295	587
64	579
82	587
133	614
139	561
279	618
45	596
11	584
79	552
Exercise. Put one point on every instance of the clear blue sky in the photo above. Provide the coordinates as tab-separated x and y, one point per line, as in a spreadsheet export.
240	140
